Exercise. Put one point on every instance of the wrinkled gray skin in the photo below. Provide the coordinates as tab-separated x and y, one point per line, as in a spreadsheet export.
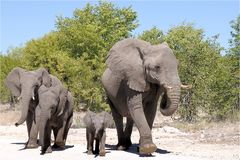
96	123
137	74
24	85
56	105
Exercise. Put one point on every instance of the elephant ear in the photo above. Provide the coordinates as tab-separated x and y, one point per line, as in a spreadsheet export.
43	73
70	102
63	94
125	60
87	119
13	81
55	81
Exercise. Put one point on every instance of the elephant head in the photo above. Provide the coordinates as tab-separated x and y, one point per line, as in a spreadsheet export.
98	122
160	67
24	85
142	64
52	102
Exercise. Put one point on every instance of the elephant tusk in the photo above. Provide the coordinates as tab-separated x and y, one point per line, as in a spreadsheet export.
168	87
186	86
19	98
33	97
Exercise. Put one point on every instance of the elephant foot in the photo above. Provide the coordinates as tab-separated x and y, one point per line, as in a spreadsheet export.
147	148
48	150
89	152
128	143
96	151
59	145
124	145
31	145
121	147
102	153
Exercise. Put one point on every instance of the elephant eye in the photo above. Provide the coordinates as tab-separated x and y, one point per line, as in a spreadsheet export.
36	85
157	67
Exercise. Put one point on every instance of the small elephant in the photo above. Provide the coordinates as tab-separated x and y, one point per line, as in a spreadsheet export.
56	106
96	123
137	74
24	85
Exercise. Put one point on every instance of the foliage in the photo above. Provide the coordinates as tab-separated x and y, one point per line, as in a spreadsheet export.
87	37
232	60
200	64
154	36
76	52
7	63
94	29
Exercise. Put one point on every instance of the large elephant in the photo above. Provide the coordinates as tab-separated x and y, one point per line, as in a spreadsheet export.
56	105
137	74
24	85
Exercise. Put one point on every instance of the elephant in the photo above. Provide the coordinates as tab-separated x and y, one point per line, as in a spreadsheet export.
24	85
96	124
56	106
137	75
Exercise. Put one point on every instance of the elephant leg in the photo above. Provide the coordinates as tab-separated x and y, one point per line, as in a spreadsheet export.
150	112
46	146
32	128
102	145
58	134
90	139
67	127
128	133
96	146
136	110
118	119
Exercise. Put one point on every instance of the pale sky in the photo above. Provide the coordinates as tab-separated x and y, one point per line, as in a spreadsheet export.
24	20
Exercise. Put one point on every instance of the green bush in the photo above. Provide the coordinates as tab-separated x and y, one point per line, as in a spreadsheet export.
76	52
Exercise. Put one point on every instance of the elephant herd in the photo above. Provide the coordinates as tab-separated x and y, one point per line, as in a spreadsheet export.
137	76
46	106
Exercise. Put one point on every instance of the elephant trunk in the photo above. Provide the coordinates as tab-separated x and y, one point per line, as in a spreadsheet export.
170	100
24	102
95	135
43	131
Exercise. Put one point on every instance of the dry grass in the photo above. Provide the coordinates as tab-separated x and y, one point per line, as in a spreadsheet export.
191	127
204	124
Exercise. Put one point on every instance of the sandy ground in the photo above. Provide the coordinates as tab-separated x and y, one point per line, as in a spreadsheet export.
220	142
172	144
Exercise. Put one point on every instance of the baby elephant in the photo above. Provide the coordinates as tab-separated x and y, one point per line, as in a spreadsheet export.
56	105
96	123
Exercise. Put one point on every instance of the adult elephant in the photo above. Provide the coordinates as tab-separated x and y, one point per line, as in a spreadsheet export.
24	85
137	74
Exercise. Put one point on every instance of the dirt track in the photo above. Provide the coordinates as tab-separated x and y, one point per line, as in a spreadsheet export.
172	144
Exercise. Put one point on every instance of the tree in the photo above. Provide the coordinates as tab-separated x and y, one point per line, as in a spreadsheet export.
87	37
233	61
197	66
77	50
153	36
7	63
45	52
94	29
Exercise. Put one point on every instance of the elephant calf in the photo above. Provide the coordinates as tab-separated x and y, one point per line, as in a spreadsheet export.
56	105
96	123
